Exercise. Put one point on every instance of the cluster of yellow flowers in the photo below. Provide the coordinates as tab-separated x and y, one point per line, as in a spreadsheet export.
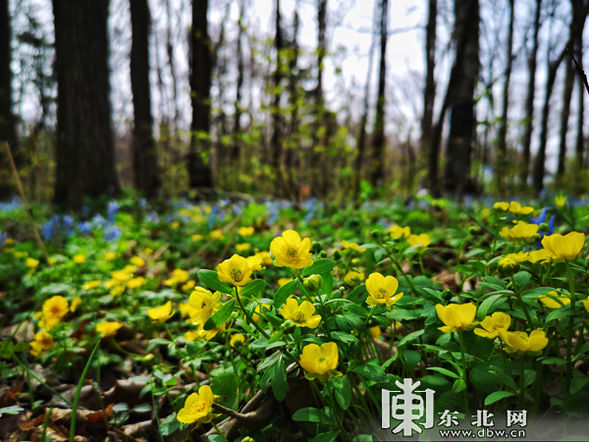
398	232
513	207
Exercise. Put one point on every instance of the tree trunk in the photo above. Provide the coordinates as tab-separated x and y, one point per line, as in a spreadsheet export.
236	151
580	141
7	119
292	159
85	151
276	112
429	95
199	157
462	120
569	81
145	162
502	163
364	119
378	142
529	107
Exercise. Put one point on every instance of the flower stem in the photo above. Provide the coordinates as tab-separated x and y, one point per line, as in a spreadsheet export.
219	432
464	377
251	320
569	343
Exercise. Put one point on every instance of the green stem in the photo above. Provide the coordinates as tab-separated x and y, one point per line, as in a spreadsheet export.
254	323
569	343
464	372
78	391
520	402
219	432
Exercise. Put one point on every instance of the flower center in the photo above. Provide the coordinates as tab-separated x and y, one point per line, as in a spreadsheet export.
381	294
55	310
292	253
198	407
298	316
236	275
322	358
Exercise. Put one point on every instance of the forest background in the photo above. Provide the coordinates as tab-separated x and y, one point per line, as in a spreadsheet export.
270	98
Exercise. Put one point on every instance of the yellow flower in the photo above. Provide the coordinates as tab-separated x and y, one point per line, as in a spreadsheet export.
52	260
549	302
54	309
186	310
491	325
75	304
45	340
79	259
117	290
243	247
519	340
586	304
189	285
567	247
399	232
236	339
290	251
137	261
198	407
129	268
175	225
121	276
560	201
178	276
135	283
217	234
36	349
320	361
162	313
235	271
106	328
91	285
283	281
501	206
205	304
255	262
515	207
542	255
147	251
32	263
265	257
508	265
457	316
352	246
196	237
382	290
109	256
519	256
521	230
354	277
375	332
423	239
302	315
246	231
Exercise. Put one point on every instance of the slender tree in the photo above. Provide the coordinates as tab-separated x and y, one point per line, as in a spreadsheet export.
569	82
462	119
378	141
85	149
502	137
236	152
529	106
429	95
199	161
145	162
7	120
276	113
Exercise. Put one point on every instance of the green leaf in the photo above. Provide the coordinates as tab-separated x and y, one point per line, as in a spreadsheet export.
224	384
284	292
372	372
269	360
253	287
497	396
489	305
13	409
319	266
221	317
529	377
458	386
328	436
143	408
170	425
311	414
211	280
344	337
555	361
56	288
343	392
279	383
444	371
522	279
411	337
412	358
577	383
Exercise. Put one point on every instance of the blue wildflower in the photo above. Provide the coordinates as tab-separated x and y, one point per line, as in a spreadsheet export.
85	228
112	209
112	233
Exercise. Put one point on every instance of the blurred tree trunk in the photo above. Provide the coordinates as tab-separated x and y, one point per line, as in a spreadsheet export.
236	150
145	161
318	144
569	82
275	111
502	163
292	160
85	153
580	9
7	119
580	141
199	157
429	96
529	106
378	142
364	119
462	118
